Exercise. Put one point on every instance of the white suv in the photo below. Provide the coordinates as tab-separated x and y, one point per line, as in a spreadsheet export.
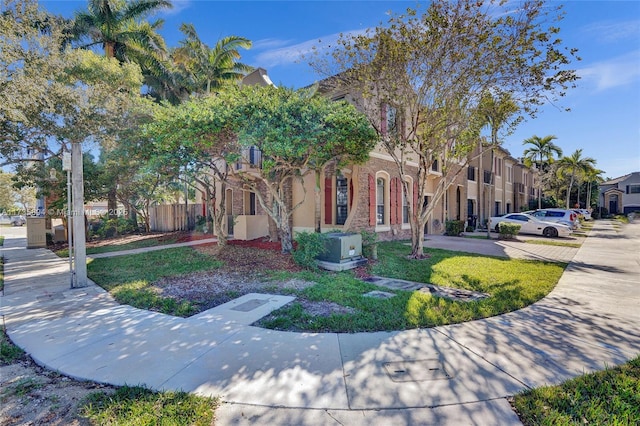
566	217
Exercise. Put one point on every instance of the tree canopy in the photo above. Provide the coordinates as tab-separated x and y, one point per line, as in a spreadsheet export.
432	69
294	131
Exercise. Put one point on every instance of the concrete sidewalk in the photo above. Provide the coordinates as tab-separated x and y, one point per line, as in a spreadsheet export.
458	374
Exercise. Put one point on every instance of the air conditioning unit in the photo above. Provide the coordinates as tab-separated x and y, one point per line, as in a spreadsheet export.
342	247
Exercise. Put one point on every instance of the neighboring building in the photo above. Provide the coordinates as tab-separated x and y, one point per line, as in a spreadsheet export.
621	195
506	186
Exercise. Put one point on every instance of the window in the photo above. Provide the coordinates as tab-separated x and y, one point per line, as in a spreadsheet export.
380	197
434	165
342	196
509	174
497	166
255	156
471	173
497	208
405	205
389	120
633	189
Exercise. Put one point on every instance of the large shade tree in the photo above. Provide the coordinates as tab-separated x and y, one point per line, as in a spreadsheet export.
292	130
433	68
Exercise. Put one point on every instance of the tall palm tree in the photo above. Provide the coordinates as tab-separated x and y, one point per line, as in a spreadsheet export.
210	68
541	152
573	167
117	25
592	176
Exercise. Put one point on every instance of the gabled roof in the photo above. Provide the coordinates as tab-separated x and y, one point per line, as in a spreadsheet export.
617	180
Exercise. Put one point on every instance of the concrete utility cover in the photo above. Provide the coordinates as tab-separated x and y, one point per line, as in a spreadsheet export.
379	294
250	305
416	371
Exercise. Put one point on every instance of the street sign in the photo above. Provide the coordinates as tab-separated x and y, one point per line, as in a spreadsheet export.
66	161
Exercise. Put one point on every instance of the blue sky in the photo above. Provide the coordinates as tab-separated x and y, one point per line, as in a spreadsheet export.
604	120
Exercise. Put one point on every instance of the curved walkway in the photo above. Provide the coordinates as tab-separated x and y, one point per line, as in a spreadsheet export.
458	374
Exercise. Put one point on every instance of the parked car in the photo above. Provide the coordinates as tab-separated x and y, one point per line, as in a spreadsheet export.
586	214
531	225
12	220
565	217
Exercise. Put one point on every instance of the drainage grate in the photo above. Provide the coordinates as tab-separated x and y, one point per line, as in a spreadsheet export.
250	305
417	371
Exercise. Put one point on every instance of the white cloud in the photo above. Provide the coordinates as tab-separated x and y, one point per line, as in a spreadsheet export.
619	71
294	53
609	31
269	43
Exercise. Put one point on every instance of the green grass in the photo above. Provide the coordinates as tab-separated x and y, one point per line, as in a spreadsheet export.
149	242
129	278
511	283
478	237
610	397
136	406
553	243
9	353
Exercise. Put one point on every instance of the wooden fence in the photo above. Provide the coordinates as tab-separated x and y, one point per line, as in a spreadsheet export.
174	217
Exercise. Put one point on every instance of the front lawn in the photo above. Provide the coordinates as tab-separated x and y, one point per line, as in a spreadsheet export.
129	278
610	397
512	284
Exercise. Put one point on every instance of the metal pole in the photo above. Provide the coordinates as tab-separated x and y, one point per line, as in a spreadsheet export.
70	231
80	253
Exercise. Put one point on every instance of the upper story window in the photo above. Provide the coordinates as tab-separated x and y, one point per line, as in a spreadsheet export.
497	166
509	174
389	120
633	189
471	173
435	166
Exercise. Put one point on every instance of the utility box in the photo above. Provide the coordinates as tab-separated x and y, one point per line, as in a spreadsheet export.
36	232
342	247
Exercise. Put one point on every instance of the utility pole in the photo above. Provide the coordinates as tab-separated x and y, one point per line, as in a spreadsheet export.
77	183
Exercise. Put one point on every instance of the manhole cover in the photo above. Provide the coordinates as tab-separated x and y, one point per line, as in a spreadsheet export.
250	305
416	371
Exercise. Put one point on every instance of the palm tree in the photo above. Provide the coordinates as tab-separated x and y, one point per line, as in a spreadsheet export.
573	167
118	26
210	68
592	175
541	152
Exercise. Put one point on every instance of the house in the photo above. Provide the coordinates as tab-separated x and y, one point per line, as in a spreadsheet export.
621	195
370	196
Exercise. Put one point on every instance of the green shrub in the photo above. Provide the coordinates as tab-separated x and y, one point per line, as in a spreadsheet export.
369	244
469	229
454	227
508	230
309	246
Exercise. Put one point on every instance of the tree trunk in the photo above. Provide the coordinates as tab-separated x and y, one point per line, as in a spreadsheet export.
417	240
112	203
569	192
318	203
286	241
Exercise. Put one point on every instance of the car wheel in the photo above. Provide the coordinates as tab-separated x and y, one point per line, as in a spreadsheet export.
550	232
498	228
